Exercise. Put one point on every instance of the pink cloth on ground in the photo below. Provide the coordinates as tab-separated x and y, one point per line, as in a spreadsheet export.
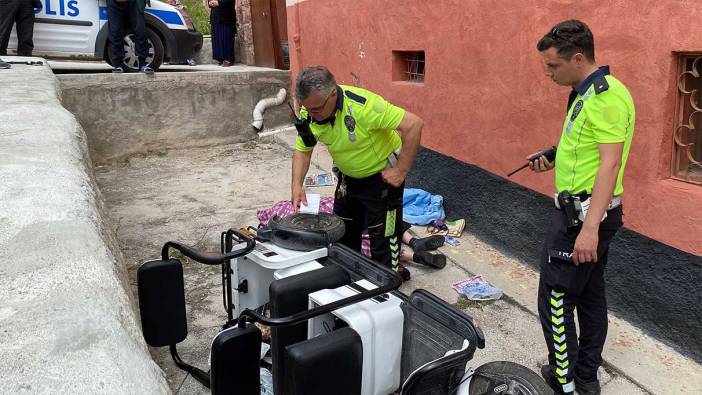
285	208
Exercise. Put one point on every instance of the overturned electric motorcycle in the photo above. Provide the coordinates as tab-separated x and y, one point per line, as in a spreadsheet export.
338	323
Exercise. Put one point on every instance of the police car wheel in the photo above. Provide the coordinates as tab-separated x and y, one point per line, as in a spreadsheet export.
154	57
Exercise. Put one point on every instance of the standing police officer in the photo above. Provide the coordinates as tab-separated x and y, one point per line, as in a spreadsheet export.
373	143
592	154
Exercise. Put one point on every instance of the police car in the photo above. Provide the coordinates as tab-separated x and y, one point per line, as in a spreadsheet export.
78	29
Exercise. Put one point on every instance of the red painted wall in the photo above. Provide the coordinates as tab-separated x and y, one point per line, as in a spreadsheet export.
486	100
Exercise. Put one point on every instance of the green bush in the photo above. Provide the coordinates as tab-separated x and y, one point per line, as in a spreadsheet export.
200	15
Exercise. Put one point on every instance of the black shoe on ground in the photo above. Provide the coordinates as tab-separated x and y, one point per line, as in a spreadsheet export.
118	70
587	387
404	273
427	243
550	378
437	261
4	65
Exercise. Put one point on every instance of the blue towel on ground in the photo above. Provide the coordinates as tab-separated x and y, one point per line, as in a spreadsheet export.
419	207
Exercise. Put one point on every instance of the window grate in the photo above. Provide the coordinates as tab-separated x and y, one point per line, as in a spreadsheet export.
687	137
409	66
415	66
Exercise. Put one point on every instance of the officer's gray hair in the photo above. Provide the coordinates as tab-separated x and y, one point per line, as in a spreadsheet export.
314	79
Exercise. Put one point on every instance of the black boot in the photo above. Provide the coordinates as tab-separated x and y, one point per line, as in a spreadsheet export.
437	261
587	387
550	378
426	243
403	272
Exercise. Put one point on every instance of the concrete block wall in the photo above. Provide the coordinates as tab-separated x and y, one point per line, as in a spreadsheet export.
205	54
134	113
67	324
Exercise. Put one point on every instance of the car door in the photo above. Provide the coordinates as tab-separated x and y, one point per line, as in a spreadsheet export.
64	28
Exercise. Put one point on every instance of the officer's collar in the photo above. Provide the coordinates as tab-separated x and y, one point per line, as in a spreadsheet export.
339	107
583	86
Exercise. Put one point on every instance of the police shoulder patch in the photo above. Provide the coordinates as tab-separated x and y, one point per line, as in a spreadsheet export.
600	84
355	97
379	105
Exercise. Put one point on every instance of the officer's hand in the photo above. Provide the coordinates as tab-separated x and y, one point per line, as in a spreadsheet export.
393	176
585	250
540	164
298	196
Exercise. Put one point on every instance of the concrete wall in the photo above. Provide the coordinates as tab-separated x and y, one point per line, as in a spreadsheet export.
132	113
485	99
204	56
67	324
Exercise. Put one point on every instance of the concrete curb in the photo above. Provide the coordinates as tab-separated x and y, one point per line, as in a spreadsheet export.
66	320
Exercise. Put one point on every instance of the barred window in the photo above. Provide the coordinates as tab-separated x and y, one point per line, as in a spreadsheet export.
687	154
408	66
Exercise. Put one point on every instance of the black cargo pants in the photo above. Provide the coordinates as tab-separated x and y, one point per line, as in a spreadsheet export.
564	288
22	13
370	203
119	14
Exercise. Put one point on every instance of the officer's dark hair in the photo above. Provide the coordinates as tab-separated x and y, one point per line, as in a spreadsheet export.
314	79
569	37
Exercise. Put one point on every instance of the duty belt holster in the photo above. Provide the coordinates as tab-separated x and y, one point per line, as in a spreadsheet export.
570	205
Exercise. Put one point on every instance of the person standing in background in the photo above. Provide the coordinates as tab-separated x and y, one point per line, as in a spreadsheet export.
120	13
223	24
20	12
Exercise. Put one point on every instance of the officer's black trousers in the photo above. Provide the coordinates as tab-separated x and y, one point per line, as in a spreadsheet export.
565	288
370	203
118	14
21	12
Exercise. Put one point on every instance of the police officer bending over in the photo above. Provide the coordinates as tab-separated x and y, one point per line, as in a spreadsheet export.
373	143
589	164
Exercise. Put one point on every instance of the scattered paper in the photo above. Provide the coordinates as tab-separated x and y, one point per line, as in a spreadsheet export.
452	241
320	180
477	288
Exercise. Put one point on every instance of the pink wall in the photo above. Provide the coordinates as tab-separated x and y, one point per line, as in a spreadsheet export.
485	99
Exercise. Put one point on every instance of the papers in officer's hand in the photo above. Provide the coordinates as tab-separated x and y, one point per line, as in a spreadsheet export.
312	206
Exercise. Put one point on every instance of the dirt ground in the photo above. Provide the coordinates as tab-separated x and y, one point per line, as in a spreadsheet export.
192	195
